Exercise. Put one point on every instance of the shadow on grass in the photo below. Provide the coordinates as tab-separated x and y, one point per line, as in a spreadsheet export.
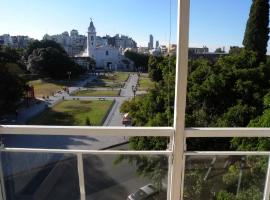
97	83
50	117
64	82
102	83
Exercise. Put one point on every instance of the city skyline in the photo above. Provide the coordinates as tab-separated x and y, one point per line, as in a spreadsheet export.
212	24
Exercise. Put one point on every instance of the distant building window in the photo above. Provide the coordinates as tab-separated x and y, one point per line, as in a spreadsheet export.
92	38
107	53
92	43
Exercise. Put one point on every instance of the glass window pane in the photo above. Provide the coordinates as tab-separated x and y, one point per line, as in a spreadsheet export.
225	177
91	72
86	142
43	176
125	177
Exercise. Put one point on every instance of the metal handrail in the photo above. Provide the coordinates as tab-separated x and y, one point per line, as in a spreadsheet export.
86	130
96	152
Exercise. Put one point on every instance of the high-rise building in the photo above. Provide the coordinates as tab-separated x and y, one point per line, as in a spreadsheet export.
122	42
151	42
157	44
18	41
74	33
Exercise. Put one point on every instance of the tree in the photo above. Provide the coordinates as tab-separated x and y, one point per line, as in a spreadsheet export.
156	108
155	73
49	59
88	122
36	44
221	92
232	91
12	87
257	30
140	60
11	90
9	55
235	50
219	50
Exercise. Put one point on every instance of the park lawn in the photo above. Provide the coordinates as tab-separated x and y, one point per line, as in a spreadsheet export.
144	75
122	76
102	84
116	77
74	113
47	88
98	93
145	84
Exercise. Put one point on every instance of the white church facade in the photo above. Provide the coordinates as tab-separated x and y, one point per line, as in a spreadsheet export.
105	56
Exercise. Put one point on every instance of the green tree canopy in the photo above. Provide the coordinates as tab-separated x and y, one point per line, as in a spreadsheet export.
42	44
140	60
11	90
48	58
257	30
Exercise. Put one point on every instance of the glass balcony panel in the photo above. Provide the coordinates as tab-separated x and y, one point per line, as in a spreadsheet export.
120	177
225	177
43	176
85	142
209	144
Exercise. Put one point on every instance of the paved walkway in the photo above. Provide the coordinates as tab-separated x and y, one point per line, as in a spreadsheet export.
115	117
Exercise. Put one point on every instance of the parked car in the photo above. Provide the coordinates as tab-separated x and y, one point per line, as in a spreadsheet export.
143	193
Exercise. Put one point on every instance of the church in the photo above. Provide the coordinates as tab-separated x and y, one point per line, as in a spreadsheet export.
106	57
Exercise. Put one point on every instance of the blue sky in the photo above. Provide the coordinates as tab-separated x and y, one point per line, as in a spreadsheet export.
214	23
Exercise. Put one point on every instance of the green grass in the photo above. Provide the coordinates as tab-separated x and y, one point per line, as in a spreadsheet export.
15	69
116	77
47	88
110	80
122	76
73	113
98	93
145	75
102	84
145	84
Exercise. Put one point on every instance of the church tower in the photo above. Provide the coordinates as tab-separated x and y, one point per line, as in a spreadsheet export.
91	40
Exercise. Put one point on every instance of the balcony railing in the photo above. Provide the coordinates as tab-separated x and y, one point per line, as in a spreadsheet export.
205	157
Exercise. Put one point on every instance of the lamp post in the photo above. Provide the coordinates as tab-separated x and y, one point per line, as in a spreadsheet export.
134	90
69	74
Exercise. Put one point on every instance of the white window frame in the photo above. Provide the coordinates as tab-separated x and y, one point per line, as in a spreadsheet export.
176	152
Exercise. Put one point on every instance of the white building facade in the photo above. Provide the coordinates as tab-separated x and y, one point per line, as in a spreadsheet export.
73	43
107	57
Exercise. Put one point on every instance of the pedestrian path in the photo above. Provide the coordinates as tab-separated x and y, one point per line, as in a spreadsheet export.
115	118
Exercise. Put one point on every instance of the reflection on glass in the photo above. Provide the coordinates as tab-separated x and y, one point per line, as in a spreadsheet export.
125	177
225	177
40	176
85	142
